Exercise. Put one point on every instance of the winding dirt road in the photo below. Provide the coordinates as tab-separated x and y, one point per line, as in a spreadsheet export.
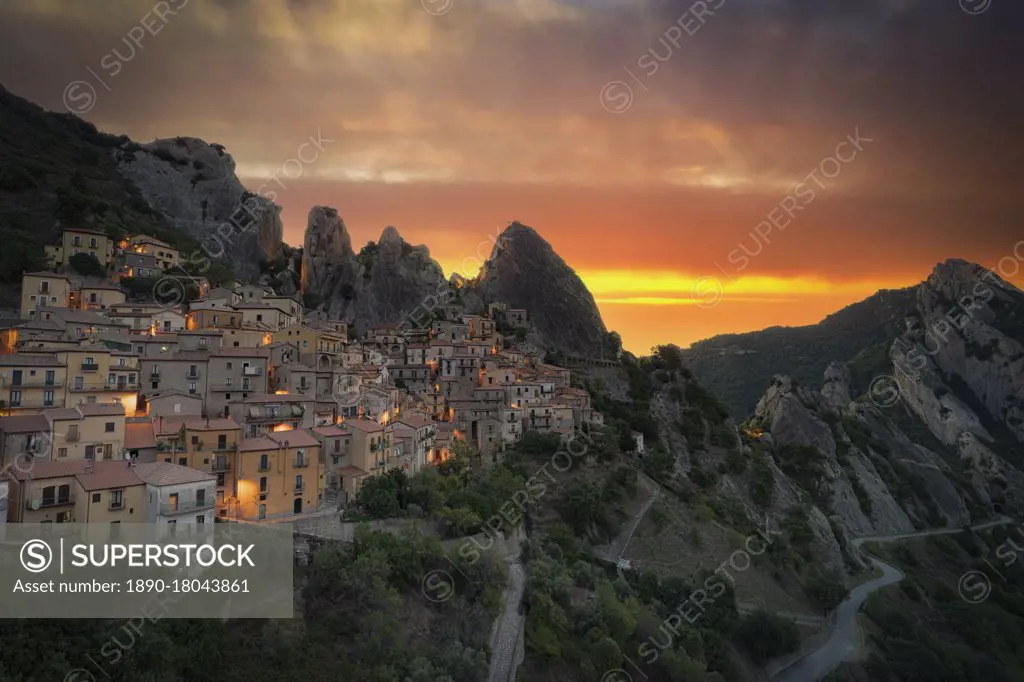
846	641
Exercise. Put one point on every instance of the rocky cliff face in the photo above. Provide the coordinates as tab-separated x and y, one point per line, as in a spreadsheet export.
870	477
959	367
388	281
193	184
525	272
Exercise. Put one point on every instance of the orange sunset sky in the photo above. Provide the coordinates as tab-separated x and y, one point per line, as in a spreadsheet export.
644	142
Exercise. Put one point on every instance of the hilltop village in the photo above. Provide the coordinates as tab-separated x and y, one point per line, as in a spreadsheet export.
241	404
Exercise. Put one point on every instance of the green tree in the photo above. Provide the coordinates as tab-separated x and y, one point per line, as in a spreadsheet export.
87	265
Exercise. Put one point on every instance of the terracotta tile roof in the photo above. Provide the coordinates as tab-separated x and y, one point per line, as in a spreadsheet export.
61	413
331	431
257	444
170	425
165	473
364	425
54	469
106	475
138	435
415	421
100	410
296	438
24	423
48	275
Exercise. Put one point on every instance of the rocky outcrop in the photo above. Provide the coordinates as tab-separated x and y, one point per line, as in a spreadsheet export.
961	358
390	281
836	389
525	272
193	184
852	489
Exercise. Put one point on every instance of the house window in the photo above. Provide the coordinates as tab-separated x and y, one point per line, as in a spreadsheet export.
116	499
200	498
172	502
263	484
47	398
109	427
96	497
15	398
183	461
62	452
201	519
263	511
264	462
298	482
202	339
191	387
111	379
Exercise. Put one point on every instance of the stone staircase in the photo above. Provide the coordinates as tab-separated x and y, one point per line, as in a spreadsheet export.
331	499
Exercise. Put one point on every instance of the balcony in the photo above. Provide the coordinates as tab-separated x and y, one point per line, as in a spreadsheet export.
155	372
299	487
220	465
252	371
168	508
263	468
50	502
193	374
114	506
300	463
90	367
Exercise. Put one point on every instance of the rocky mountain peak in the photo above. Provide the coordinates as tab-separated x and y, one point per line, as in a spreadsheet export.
385	282
193	184
524	271
326	243
390	235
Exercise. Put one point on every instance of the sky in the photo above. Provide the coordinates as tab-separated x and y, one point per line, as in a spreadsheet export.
706	167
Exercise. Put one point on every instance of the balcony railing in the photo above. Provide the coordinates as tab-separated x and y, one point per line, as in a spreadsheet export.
299	487
193	374
220	465
90	367
48	502
184	506
263	468
300	463
114	506
252	371
154	372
